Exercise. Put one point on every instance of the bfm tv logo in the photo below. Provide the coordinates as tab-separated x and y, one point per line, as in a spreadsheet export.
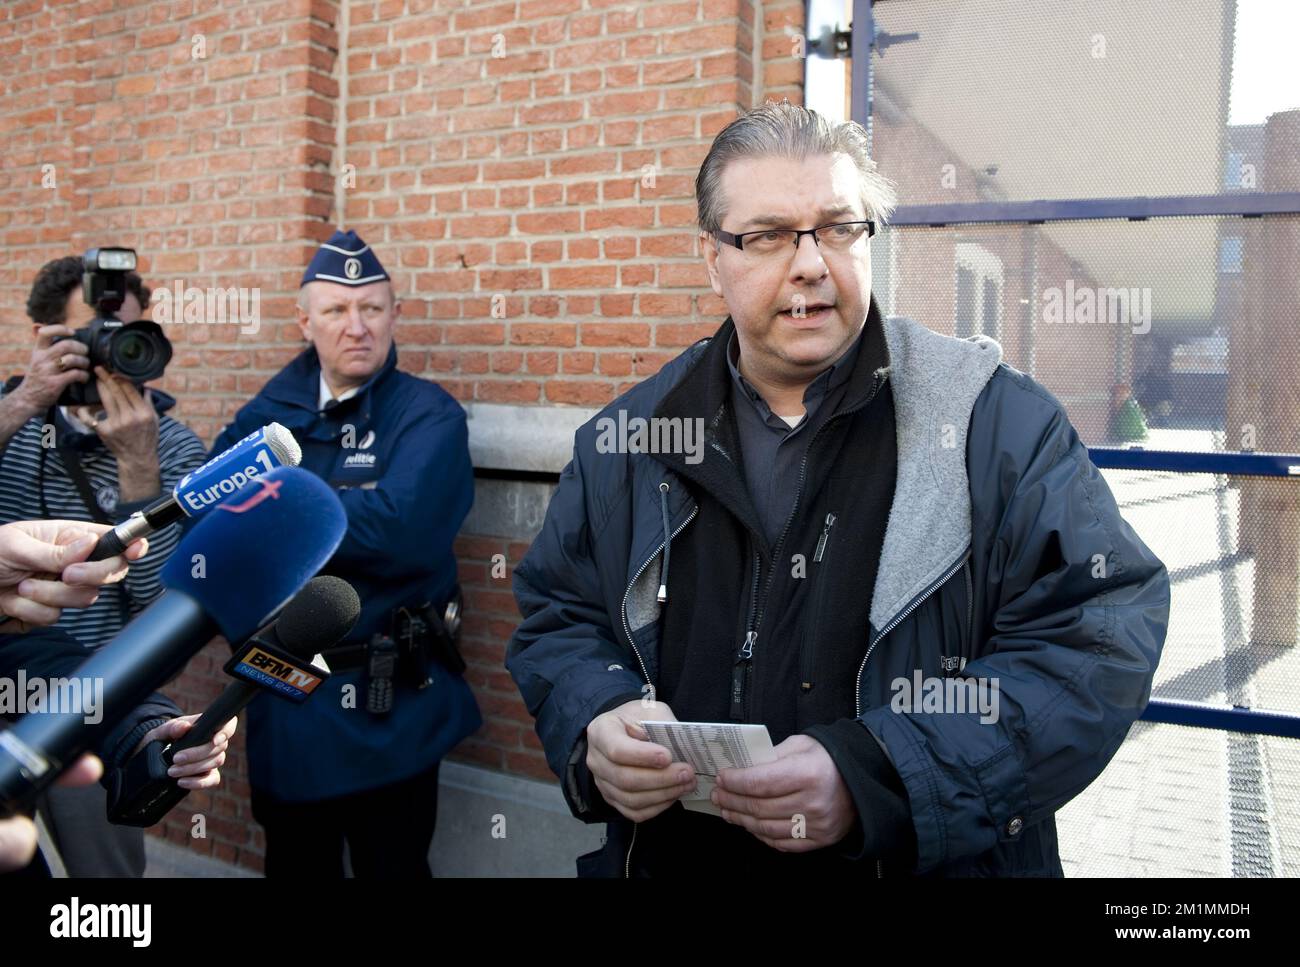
287	673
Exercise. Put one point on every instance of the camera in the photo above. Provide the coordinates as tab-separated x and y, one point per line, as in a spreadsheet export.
137	350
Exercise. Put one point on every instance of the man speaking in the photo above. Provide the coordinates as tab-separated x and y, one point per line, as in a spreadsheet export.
359	762
876	505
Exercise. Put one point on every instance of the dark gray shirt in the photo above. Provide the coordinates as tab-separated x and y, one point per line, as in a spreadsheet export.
772	450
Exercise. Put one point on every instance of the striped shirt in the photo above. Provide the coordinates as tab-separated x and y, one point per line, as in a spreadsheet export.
179	452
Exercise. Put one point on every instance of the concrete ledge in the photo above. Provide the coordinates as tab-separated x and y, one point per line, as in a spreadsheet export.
514	509
537	438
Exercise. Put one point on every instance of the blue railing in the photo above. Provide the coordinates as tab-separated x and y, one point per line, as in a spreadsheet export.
1232	718
1190	461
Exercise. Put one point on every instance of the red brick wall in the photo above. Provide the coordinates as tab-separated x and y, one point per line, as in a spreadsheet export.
521	176
555	179
214	168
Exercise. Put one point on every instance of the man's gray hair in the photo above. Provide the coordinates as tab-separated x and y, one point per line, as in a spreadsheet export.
788	130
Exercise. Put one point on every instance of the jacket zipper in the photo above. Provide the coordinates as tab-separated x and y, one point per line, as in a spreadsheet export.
627	864
821	541
740	670
900	617
970	612
743	667
809	640
627	630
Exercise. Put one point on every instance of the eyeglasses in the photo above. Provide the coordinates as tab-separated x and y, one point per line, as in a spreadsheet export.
772	241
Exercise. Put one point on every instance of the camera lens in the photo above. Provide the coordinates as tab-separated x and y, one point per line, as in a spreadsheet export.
133	349
132	354
139	351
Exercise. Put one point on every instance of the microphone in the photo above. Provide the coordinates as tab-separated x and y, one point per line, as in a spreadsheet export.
277	659
258	453
230	575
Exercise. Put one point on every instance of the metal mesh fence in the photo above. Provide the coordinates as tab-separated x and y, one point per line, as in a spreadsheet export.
1174	333
1179	801
1177	334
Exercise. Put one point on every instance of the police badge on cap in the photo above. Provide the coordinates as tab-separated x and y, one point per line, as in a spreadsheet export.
344	259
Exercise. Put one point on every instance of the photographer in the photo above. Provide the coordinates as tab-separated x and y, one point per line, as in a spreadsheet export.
42	570
99	462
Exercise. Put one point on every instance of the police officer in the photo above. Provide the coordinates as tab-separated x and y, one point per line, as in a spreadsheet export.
359	762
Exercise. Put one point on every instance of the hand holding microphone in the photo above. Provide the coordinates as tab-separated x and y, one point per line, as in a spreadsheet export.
276	660
42	569
230	575
199	766
194	494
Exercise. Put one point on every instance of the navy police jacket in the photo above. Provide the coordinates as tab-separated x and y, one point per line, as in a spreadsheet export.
397	455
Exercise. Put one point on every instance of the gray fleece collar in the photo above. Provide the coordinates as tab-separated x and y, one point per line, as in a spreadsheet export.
935	381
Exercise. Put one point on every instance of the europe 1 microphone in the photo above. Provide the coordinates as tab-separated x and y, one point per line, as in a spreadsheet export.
257	454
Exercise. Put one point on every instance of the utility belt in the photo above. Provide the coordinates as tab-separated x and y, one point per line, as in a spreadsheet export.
400	654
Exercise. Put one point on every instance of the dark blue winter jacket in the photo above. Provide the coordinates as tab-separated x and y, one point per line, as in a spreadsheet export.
1004	546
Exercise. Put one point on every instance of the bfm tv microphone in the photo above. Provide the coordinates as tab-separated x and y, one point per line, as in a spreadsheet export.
277	660
230	575
258	453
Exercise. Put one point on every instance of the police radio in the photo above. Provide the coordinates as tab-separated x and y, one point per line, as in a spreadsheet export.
381	668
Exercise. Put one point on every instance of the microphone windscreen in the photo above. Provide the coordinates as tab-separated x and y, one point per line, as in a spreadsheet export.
251	553
257	454
318	617
283	445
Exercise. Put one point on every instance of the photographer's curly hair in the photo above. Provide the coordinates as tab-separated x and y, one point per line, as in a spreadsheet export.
47	302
